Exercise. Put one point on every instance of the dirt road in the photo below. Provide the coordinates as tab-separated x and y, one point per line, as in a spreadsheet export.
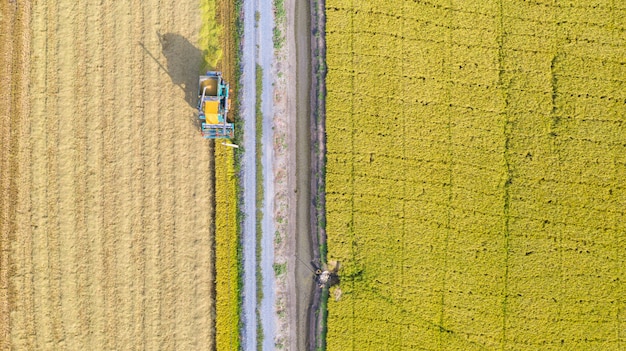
112	244
247	104
258	50
265	59
302	120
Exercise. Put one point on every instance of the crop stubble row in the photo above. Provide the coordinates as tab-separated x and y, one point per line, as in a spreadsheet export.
474	165
112	245
14	52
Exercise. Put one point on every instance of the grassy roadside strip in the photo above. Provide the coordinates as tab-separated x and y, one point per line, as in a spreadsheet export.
235	40
259	202
323	315
318	162
278	36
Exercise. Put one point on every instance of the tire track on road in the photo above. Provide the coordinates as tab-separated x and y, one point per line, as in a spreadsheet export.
265	58
248	161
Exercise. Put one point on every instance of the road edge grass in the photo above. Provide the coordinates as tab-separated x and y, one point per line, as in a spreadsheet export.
319	309
259	202
280	15
280	52
235	40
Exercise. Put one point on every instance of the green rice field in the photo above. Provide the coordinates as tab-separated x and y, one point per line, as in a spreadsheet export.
476	174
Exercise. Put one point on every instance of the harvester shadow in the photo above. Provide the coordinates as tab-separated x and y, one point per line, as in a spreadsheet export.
182	61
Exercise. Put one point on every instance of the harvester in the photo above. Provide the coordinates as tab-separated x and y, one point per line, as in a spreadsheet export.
326	275
213	105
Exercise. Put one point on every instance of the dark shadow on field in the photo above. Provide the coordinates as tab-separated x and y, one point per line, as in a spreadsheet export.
183	59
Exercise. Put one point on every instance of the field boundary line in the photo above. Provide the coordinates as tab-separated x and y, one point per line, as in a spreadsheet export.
621	311
446	72
403	237
504	85
352	172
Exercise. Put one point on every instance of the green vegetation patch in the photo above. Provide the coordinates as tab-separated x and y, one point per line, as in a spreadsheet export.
278	37
259	201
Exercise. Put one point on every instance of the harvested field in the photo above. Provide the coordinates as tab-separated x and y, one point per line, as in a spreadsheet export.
112	242
475	175
14	52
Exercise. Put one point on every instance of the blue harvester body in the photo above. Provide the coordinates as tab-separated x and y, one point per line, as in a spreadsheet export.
213	105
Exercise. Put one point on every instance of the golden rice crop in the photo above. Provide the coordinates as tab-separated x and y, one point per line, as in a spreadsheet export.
226	259
213	39
476	157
